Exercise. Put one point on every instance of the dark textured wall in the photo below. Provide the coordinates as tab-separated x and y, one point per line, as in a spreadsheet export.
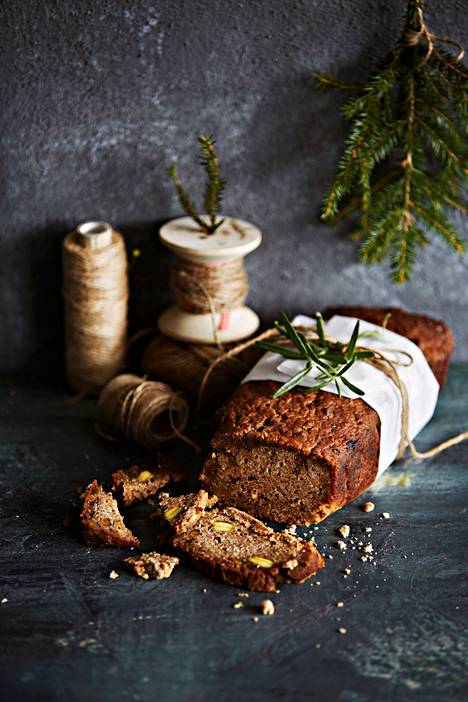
98	97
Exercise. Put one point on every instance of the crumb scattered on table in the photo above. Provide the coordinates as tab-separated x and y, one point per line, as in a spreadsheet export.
368	506
268	608
344	530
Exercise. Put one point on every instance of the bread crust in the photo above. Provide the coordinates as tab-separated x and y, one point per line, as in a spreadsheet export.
433	336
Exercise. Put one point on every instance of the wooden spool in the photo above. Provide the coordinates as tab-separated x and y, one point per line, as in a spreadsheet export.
234	239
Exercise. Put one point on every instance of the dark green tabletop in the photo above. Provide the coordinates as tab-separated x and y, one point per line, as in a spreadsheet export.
68	632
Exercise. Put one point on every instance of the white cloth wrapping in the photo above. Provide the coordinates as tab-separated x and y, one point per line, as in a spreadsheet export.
380	391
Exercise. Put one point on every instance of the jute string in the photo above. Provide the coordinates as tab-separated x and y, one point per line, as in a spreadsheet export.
380	361
145	412
209	288
412	37
200	288
95	291
183	367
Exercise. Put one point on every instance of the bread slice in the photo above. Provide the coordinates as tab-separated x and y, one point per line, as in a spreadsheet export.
153	565
101	521
140	482
233	546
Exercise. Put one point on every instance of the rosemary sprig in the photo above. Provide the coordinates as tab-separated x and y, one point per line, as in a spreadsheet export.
333	358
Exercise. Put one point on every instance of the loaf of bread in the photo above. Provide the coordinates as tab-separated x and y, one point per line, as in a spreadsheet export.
300	457
433	336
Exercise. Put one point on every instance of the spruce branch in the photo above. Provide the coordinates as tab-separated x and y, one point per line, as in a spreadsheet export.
213	189
405	156
214	184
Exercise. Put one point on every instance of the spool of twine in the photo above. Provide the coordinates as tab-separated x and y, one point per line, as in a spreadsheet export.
203	288
95	291
183	366
148	413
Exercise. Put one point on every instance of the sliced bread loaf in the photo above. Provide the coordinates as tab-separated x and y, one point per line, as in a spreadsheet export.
233	546
101	521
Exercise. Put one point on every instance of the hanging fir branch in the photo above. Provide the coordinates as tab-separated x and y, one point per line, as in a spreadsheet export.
213	189
406	154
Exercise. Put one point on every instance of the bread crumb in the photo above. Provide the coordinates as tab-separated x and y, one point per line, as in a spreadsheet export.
368	530
363	558
244	594
113	575
293	563
344	531
268	608
340	604
368	548
368	506
291	529
341	545
255	619
385	515
238	605
4	600
342	630
347	570
204	589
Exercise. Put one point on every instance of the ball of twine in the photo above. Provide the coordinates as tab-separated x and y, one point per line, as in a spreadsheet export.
95	291
183	366
145	412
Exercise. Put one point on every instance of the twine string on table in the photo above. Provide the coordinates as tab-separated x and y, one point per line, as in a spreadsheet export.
95	292
146	412
379	361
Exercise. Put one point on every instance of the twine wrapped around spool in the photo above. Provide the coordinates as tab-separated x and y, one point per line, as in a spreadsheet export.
204	288
209	281
148	413
183	366
95	291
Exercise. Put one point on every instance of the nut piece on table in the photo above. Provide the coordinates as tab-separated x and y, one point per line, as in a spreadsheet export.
267	607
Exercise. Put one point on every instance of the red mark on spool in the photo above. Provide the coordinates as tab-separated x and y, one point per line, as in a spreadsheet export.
224	321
